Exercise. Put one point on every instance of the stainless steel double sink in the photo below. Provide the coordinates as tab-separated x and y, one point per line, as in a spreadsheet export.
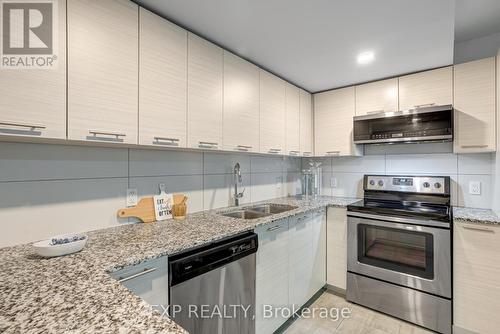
258	211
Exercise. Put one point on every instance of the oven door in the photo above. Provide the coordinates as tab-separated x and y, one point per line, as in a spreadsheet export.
410	255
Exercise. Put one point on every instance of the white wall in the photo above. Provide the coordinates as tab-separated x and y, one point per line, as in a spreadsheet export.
348	172
54	189
477	48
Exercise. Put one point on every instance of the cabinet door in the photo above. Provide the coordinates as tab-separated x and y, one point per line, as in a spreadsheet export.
33	102
377	97
241	105
474	96
163	82
306	124
271	286
318	252
148	280
336	230
475	277
301	259
333	122
205	75
103	70
427	88
292	120
272	113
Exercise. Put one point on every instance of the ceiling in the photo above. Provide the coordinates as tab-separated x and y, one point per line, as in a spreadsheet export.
476	18
314	43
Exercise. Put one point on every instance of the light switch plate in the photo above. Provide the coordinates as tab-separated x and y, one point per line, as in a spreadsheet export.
131	197
475	187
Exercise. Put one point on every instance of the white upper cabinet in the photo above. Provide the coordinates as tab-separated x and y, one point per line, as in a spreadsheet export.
205	78
333	123
377	97
475	109
102	70
272	113
163	82
427	88
241	104
33	102
306	124
292	120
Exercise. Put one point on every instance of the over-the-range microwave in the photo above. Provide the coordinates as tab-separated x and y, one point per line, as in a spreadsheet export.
434	123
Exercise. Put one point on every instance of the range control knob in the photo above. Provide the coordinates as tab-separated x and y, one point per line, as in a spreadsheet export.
426	184
380	183
437	185
372	182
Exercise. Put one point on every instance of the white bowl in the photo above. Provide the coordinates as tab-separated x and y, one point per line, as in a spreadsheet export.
45	249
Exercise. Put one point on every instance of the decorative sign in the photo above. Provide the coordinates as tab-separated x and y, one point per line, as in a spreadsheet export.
163	204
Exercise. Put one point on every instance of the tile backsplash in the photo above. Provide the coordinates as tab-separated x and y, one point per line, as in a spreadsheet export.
47	190
343	176
55	189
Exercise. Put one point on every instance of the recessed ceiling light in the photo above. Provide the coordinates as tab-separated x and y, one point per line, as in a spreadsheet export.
365	57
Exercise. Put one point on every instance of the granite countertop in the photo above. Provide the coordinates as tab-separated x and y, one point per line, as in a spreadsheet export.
75	293
478	216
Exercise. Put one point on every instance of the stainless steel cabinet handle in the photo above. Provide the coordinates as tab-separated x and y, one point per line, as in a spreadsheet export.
95	133
332	152
243	147
307	154
144	272
473	146
274	228
294	152
424	105
166	141
206	143
381	111
23	125
478	228
274	150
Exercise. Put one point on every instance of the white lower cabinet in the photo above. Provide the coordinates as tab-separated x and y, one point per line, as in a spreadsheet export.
271	286
336	263
290	267
476	271
301	259
148	280
318	279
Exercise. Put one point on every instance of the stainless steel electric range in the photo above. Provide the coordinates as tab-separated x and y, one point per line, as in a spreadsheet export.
399	249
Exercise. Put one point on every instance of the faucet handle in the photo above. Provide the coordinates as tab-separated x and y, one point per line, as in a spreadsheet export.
240	195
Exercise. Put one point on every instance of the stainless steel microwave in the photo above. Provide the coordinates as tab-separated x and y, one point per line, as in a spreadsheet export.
434	123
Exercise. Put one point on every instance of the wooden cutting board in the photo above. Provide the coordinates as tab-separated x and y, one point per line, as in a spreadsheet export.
145	209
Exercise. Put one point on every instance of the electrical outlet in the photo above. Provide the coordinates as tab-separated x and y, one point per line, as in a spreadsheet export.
131	197
333	182
475	187
279	180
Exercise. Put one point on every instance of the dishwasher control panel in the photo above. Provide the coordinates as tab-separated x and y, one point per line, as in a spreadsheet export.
192	263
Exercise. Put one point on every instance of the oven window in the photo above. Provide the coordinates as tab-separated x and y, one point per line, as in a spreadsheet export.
403	251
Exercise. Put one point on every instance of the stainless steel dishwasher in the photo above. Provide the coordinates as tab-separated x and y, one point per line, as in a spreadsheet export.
212	289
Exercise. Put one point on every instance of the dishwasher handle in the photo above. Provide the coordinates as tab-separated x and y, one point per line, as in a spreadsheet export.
187	265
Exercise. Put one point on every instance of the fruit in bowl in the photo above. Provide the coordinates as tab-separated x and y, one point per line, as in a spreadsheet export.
60	245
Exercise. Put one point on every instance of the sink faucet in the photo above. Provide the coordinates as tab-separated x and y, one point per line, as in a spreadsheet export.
237	180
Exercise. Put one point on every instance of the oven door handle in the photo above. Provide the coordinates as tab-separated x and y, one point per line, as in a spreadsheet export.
430	223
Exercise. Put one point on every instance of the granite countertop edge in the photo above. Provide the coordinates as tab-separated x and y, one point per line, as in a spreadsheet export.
76	292
475	216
